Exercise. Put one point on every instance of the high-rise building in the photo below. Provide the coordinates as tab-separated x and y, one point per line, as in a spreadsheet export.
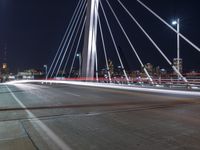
4	68
111	67
175	63
4	71
149	68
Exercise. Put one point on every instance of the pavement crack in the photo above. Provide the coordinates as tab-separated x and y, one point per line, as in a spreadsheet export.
32	141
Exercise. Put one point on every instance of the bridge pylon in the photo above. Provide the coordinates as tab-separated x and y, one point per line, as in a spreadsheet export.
89	48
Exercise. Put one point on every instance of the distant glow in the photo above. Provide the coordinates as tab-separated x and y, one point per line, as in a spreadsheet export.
174	22
4	66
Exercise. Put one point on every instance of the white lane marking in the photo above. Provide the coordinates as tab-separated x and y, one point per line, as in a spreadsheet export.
69	93
58	141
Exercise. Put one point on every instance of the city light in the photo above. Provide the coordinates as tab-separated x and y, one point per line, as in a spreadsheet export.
174	22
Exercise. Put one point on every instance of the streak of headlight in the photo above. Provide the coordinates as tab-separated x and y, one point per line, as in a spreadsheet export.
113	86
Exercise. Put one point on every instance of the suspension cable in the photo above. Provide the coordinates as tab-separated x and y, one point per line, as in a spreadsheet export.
94	40
167	24
72	46
134	50
76	9
96	62
153	42
108	25
66	39
77	47
82	11
104	49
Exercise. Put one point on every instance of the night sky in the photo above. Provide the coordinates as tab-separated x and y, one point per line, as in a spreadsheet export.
33	29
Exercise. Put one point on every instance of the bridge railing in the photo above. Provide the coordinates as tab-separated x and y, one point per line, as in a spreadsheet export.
138	81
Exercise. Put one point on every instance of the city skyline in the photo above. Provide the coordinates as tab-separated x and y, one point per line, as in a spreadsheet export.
99	74
33	37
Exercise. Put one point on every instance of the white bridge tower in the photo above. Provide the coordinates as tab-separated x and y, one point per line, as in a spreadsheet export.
89	53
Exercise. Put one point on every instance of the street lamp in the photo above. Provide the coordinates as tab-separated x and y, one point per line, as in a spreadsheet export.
79	56
45	66
174	22
177	23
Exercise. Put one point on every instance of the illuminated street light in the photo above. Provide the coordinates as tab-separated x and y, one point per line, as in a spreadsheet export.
174	22
79	56
177	23
45	66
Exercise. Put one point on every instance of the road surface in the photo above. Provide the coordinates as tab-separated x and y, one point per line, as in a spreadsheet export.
69	117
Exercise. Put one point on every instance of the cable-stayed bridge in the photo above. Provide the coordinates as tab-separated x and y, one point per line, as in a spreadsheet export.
63	112
85	37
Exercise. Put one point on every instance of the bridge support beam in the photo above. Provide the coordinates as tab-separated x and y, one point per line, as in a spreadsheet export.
89	49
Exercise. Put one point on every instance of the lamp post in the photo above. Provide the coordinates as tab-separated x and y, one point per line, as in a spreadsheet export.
177	23
45	66
79	56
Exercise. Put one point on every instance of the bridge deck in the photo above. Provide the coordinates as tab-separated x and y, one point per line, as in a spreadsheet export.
85	118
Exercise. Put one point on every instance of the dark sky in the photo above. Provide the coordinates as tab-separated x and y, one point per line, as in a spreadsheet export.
33	29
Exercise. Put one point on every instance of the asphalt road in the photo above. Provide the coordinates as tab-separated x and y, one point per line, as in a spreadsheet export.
68	117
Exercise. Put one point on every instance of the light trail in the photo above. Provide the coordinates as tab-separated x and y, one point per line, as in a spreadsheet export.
112	86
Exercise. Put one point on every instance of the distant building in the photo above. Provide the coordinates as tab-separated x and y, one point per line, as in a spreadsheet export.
111	67
4	72
158	71
4	68
30	74
149	68
175	63
135	74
